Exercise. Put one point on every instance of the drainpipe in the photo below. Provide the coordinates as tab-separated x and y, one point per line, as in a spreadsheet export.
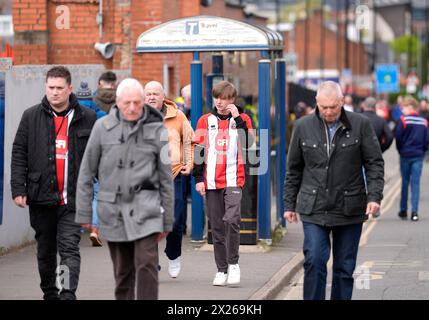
99	17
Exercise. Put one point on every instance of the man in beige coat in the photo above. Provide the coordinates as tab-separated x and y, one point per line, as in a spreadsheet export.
180	137
128	150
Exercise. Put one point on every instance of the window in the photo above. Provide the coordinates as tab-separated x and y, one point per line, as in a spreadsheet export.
6	26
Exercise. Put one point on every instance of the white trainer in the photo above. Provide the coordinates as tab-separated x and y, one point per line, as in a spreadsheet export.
233	275
174	267
220	279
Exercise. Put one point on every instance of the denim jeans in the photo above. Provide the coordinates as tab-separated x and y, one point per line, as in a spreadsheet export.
411	168
94	204
173	248
317	248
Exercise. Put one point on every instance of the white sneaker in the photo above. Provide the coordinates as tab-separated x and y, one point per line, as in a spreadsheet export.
174	267
233	274
220	279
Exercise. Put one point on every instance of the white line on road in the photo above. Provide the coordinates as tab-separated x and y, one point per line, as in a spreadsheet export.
295	293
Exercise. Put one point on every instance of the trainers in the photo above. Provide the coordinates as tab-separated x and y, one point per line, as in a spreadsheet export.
220	279
414	216
402	215
174	267
233	274
96	242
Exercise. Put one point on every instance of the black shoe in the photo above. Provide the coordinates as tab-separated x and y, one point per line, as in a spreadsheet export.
414	216
402	215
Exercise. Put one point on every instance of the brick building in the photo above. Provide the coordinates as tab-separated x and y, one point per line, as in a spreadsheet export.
333	56
65	31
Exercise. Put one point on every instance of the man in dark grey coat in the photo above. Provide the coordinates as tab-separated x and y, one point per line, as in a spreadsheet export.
128	150
325	185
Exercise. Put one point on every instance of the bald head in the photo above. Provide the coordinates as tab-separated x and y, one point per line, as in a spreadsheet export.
186	95
154	94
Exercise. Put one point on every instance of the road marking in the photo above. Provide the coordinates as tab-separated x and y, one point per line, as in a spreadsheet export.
296	291
424	276
385	206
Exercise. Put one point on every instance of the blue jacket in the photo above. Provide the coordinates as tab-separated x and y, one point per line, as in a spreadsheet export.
412	136
92	105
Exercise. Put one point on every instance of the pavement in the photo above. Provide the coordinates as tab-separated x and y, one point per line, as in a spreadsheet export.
265	270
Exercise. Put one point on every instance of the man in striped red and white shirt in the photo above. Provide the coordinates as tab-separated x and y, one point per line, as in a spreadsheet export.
220	176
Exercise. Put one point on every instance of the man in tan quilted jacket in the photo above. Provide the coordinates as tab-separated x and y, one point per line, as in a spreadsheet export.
180	138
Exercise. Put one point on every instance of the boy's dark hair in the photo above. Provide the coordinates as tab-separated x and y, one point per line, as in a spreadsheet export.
224	90
108	76
59	72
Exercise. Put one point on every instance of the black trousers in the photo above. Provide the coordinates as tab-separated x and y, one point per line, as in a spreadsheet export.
57	232
135	265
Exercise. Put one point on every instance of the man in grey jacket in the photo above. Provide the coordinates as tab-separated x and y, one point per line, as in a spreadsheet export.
325	185
128	151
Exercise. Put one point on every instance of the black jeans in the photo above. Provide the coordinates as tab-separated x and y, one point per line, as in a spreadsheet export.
57	232
173	247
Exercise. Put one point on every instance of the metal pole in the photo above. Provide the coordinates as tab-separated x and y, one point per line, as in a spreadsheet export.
264	174
322	41
306	38
346	40
337	44
281	134
196	113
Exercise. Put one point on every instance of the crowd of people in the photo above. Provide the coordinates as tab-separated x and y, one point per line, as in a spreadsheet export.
117	162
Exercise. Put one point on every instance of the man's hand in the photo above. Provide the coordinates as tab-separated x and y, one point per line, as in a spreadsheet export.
291	216
372	208
20	201
186	170
201	189
233	109
162	235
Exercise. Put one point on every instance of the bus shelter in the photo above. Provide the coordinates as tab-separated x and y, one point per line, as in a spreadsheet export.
216	34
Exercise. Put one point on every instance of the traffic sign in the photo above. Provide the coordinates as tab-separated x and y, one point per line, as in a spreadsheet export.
386	78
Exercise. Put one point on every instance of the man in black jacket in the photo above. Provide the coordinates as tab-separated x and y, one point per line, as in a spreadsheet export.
325	185
381	128
46	155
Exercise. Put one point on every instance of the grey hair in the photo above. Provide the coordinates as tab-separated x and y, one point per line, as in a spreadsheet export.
129	83
329	87
370	103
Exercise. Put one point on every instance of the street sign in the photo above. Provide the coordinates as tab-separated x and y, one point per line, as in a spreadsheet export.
386	78
207	33
5	64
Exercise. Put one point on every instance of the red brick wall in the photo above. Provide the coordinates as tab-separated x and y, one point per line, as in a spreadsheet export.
30	23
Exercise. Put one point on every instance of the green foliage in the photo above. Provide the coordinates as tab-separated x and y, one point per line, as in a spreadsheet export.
408	44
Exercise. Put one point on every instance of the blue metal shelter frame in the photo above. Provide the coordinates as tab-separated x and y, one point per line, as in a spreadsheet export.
209	33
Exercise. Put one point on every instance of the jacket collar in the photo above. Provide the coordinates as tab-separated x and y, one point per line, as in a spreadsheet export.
343	118
73	104
171	108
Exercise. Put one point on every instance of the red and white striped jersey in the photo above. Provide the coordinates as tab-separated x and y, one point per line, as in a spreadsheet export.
61	142
223	159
